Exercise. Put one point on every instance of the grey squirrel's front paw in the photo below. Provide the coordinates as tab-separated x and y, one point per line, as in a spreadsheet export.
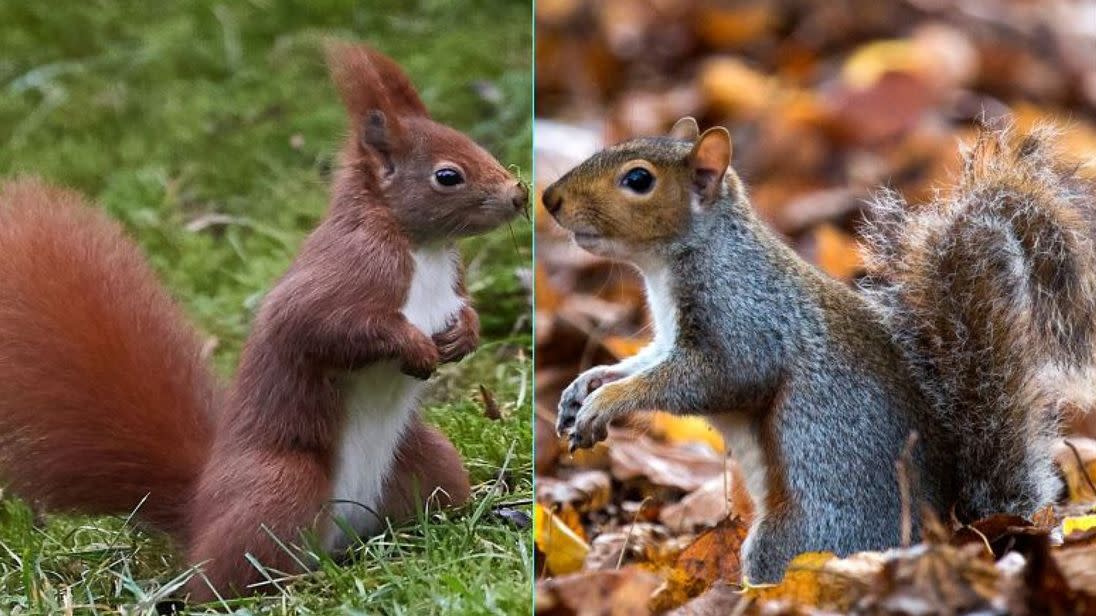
591	423
577	392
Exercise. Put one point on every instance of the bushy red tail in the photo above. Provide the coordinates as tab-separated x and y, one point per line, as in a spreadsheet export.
104	398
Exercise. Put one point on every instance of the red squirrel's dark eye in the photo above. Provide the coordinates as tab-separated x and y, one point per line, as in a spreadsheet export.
638	180
447	176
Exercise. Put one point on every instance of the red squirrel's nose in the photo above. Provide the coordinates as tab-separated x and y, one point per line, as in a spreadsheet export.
519	197
552	200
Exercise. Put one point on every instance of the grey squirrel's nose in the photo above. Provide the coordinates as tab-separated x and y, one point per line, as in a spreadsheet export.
552	200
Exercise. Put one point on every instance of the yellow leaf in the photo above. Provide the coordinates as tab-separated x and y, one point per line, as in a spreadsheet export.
733	88
564	550
801	584
675	429
870	62
1078	524
1079	475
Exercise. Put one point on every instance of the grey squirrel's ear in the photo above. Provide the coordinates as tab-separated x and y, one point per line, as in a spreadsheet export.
709	160
376	135
686	129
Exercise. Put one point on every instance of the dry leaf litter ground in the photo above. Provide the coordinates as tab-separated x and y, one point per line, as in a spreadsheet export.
826	102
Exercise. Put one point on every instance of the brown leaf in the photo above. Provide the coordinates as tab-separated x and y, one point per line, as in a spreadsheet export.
547	445
719	600
1000	534
730	26
664	465
1076	560
932	579
490	407
1047	590
886	109
584	491
623	592
712	502
631	544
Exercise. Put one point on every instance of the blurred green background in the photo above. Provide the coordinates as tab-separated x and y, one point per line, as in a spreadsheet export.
209	129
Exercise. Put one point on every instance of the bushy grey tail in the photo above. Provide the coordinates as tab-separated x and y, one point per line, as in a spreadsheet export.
990	290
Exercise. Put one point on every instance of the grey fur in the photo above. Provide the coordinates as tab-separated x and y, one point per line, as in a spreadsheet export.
830	383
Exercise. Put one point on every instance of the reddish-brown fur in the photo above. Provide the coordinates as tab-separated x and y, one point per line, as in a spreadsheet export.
103	398
103	395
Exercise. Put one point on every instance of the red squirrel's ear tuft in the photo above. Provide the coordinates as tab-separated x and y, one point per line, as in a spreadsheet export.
369	80
709	160
685	129
377	94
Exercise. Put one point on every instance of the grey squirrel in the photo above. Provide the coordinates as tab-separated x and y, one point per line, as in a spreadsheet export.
975	328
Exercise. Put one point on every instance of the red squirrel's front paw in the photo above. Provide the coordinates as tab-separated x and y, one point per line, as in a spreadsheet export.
420	357
578	391
459	339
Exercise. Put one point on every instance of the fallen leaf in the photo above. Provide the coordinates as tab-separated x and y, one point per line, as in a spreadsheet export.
1078	467
710	503
869	63
515	517
633	543
713	556
547	446
735	89
1078	524
888	109
681	429
836	252
490	407
821	580
803	582
665	465
564	550
730	26
588	490
623	346
719	600
998	535
623	592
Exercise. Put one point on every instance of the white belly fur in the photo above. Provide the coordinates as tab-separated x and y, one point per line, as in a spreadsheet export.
746	450
380	401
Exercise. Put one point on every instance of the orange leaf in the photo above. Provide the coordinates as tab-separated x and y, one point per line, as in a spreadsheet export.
622	347
714	555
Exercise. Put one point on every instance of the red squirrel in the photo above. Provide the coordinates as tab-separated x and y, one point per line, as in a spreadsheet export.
107	405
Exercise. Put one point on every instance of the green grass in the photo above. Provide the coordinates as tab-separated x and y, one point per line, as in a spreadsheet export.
166	113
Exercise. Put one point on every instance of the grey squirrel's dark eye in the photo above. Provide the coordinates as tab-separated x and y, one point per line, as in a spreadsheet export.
638	180
447	176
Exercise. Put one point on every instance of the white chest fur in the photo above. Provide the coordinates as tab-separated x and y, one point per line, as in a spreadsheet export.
379	402
734	427
660	300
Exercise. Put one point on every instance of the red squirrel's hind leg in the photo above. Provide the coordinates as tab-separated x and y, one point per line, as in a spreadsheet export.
252	497
428	469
